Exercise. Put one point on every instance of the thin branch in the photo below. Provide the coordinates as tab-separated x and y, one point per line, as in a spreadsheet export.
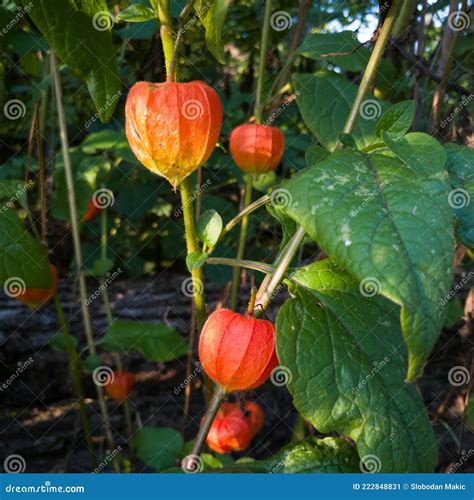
281	79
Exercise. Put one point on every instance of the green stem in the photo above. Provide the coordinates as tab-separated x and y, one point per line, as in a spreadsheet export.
242	242
262	61
372	65
174	54
77	242
75	371
209	417
247	210
192	246
283	261
166	33
247	264
110	318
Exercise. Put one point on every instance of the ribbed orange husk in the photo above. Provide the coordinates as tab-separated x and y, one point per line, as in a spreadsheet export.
236	351
121	385
173	127
36	297
257	148
232	429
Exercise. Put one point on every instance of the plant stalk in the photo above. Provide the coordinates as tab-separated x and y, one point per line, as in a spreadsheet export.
166	33
238	263
192	246
75	371
372	65
209	417
248	210
110	317
262	61
242	242
267	290
77	242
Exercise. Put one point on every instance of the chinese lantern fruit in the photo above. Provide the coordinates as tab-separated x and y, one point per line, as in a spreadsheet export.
257	148
36	297
173	127
92	211
234	429
237	352
120	386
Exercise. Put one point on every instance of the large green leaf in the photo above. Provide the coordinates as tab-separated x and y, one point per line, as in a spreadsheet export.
158	447
79	32
324	100
158	343
397	119
22	257
390	226
212	15
342	49
328	455
460	166
345	362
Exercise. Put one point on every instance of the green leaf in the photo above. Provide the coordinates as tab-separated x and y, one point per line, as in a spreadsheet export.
195	260
396	120
209	227
315	154
158	343
23	260
79	33
14	190
345	362
342	49
328	455
324	101
58	343
454	313
389	226
136	13
347	140
460	166
100	267
212	14
262	182
158	447
104	139
419	151
470	415
92	362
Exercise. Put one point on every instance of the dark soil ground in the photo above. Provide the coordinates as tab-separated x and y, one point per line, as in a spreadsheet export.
39	419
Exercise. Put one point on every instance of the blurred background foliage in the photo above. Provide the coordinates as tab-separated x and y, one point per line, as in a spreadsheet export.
144	223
